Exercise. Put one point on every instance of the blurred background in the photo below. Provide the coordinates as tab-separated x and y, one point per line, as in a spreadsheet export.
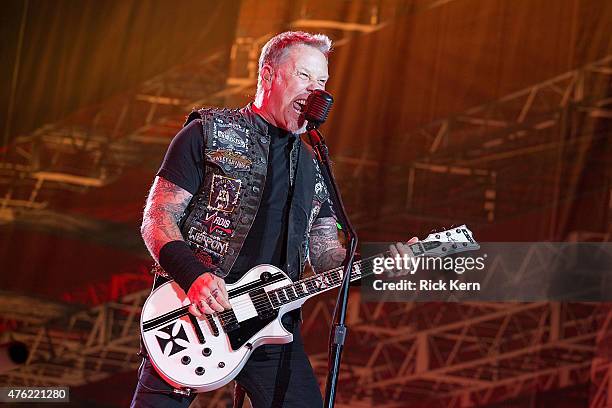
493	113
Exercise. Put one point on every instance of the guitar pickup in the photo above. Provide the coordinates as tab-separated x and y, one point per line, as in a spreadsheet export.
262	303
231	327
213	325
196	328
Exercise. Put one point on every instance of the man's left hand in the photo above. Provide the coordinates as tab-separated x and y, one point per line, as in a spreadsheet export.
400	249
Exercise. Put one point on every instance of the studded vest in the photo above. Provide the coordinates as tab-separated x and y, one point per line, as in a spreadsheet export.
220	215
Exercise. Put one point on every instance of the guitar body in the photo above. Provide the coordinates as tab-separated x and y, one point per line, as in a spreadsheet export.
205	354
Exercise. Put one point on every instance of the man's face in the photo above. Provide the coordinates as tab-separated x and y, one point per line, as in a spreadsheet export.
302	70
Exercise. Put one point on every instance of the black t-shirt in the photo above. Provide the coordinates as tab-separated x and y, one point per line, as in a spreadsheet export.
266	242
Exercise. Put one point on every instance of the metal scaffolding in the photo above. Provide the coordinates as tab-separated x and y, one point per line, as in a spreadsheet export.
431	354
466	354
532	133
94	146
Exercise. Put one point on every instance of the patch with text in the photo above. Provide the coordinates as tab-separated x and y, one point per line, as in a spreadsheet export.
228	136
224	193
211	244
215	222
230	158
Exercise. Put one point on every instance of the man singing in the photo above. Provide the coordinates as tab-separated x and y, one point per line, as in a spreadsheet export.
239	188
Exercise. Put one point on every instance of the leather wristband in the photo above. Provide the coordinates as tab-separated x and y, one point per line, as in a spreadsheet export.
179	261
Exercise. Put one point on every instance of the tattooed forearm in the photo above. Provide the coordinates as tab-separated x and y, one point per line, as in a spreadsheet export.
326	252
330	259
165	204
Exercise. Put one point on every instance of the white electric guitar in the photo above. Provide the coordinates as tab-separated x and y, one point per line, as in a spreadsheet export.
198	355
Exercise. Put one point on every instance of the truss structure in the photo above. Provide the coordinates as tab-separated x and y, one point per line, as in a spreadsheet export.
94	146
461	355
80	347
399	354
455	354
91	148
483	155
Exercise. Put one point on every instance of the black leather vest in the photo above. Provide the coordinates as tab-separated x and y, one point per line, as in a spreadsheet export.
221	213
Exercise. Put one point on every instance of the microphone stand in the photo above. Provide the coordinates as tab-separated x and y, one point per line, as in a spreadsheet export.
338	331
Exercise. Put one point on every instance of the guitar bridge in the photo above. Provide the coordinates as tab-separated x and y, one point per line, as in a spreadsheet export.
231	327
229	321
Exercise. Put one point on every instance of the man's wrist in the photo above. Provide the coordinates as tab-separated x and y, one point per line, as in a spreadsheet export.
179	261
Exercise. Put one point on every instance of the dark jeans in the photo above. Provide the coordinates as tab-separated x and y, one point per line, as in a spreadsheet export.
275	376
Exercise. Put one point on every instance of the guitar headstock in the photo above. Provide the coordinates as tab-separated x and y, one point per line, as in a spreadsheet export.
443	243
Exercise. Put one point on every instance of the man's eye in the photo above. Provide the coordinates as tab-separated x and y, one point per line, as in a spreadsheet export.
304	75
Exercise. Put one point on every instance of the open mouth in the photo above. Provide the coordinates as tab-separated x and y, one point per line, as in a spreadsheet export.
299	105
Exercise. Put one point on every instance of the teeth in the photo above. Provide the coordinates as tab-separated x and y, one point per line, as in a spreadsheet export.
300	104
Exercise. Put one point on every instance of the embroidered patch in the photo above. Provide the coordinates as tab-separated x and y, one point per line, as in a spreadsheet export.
232	124
224	193
226	136
314	211
217	223
320	189
229	158
208	243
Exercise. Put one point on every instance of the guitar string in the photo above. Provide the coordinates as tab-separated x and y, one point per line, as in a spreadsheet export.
276	300
264	298
359	266
333	276
300	284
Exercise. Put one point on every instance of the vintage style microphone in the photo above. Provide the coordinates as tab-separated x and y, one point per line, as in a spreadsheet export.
316	110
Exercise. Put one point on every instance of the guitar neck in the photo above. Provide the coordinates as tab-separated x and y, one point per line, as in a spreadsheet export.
330	279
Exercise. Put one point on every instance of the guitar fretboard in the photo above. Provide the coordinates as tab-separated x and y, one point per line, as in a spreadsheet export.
330	279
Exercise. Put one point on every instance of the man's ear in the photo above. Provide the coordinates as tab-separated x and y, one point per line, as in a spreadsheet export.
267	74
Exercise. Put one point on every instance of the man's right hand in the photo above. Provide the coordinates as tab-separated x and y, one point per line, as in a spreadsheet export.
208	295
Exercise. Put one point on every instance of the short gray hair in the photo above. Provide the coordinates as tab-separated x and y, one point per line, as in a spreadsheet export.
276	48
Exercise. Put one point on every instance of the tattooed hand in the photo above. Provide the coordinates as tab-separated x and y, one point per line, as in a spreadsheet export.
208	295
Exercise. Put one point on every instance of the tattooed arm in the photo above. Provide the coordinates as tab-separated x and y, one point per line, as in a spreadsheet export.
326	252
165	205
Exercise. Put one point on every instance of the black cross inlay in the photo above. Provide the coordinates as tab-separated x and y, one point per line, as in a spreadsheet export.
180	335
